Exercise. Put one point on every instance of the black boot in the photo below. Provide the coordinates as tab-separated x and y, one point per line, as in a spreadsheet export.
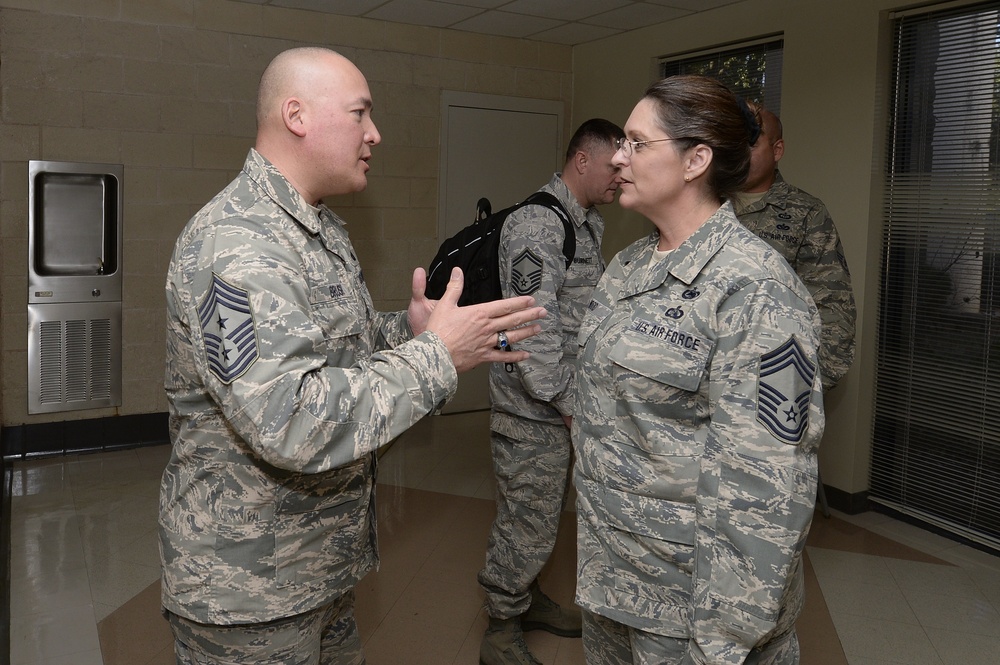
546	614
503	644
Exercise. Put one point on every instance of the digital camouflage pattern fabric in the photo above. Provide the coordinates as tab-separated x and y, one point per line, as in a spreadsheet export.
693	503
800	227
530	442
541	388
282	381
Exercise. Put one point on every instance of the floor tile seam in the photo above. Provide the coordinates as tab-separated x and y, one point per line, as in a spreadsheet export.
914	595
80	577
836	611
973	566
20	513
834	576
951	631
904	577
140	486
451	522
94	531
407	484
914	540
437	491
61	656
388	611
54	613
888	557
837	618
114	560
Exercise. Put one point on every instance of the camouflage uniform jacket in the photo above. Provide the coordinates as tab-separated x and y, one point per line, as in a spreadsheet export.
541	388
799	226
282	381
700	413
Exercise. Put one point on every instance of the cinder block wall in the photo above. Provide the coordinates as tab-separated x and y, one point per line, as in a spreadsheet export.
167	88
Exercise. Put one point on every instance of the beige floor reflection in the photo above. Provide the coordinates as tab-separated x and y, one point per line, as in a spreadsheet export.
85	576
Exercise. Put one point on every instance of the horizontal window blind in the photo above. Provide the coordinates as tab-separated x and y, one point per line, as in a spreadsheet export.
936	438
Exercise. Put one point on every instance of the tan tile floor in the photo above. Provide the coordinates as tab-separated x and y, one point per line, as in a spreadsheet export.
85	576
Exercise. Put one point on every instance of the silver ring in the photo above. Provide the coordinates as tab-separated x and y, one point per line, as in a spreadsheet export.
502	342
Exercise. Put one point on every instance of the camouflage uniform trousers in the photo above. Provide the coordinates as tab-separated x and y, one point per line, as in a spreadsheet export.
607	642
532	485
327	635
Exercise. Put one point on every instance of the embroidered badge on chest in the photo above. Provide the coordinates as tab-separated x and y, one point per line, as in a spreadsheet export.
784	391
227	324
525	273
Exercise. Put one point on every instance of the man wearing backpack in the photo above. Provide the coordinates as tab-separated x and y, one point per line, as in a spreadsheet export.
532	401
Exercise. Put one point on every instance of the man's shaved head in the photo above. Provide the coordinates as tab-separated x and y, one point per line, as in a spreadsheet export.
314	121
290	73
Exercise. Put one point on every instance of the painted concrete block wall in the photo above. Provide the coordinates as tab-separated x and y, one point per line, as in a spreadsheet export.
834	98
167	88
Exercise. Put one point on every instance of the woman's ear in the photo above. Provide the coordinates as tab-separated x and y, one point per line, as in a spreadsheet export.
699	158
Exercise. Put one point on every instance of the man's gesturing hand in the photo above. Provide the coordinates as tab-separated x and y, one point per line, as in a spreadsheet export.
470	333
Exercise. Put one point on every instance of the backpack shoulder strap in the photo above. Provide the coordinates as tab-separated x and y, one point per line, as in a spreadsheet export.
550	201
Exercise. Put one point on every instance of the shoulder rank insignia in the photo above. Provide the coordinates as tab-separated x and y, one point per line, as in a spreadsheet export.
228	330
784	391
525	273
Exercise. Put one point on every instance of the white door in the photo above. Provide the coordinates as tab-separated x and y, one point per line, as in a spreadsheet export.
503	148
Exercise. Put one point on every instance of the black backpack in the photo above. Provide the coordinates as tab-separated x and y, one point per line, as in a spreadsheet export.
475	249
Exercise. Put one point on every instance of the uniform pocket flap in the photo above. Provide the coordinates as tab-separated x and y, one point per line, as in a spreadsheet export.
664	354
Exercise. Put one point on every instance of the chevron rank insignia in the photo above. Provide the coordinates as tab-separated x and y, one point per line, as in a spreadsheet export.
525	273
227	324
784	391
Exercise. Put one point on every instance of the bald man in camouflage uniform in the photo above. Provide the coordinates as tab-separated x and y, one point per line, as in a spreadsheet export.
283	380
800	227
532	402
698	422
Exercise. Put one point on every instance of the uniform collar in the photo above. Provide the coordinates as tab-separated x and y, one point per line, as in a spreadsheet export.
776	196
316	220
684	263
577	213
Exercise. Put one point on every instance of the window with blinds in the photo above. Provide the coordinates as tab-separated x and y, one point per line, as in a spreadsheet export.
752	71
936	438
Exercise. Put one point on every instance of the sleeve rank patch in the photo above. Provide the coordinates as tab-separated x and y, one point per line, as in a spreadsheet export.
784	391
228	327
525	273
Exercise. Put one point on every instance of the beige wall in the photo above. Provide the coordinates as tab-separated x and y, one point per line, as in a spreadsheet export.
833	103
167	87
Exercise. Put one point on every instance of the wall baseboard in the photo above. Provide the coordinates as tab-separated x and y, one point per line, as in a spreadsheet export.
5	492
70	437
846	502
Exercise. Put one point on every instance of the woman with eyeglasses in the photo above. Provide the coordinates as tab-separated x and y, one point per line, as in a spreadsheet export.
699	407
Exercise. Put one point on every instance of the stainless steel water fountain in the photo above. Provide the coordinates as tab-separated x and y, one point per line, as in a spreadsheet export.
74	285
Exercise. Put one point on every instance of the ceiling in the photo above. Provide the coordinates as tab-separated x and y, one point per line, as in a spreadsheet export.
558	21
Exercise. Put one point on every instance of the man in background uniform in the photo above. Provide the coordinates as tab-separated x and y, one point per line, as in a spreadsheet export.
532	402
283	380
799	226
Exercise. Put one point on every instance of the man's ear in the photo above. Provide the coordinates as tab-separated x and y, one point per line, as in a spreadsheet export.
293	115
779	150
580	161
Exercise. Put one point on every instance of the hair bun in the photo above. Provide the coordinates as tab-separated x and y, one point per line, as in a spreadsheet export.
750	119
